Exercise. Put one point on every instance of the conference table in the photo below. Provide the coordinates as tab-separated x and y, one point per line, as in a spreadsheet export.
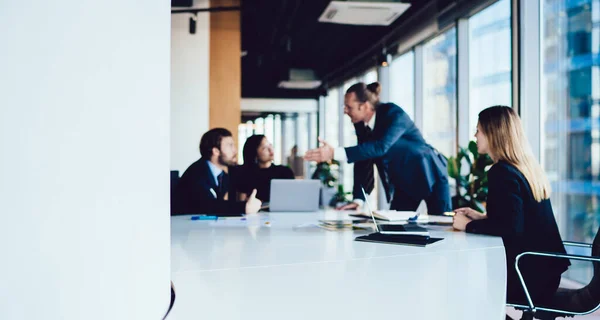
283	266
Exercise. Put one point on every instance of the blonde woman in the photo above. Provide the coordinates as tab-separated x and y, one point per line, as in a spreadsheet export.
518	206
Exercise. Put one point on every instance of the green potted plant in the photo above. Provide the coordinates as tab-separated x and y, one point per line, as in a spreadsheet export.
327	173
471	181
340	198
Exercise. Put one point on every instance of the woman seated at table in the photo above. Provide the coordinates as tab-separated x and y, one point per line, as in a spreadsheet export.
258	169
518	207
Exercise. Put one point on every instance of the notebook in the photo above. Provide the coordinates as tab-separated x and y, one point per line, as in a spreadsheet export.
417	236
420	241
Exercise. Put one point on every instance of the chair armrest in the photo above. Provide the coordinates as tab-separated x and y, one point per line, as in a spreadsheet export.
550	255
576	244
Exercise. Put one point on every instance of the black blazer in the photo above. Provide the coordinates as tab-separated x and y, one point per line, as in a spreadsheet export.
524	225
403	159
248	178
193	195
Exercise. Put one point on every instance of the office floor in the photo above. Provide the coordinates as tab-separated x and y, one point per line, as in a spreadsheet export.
563	284
517	315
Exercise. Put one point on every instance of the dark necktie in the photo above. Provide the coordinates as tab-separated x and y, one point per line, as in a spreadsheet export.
369	182
221	188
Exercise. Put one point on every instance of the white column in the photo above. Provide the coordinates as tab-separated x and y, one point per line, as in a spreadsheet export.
322	117
530	66
84	134
383	79
463	83
419	86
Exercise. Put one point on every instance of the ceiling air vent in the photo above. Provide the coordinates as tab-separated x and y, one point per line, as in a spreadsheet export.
300	79
363	13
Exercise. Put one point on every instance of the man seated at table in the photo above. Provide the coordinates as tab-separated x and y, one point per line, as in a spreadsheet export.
204	186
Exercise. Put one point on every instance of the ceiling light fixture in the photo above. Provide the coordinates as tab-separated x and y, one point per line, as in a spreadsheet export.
193	20
384	58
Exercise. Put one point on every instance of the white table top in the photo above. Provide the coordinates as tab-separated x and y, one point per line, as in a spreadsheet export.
289	269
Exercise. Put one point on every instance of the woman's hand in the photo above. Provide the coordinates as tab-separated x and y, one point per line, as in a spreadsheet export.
470	213
460	221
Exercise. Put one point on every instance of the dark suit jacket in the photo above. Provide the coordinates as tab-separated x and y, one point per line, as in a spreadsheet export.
524	225
193	193
404	160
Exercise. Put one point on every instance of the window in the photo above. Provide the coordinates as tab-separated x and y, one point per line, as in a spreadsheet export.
570	96
402	82
288	136
277	138
270	128
243	134
489	60
439	88
332	117
259	126
370	77
303	133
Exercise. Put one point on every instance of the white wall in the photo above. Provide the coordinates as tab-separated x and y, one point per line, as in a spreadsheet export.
84	187
189	86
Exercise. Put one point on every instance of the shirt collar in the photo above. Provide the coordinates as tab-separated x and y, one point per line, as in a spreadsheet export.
216	171
371	122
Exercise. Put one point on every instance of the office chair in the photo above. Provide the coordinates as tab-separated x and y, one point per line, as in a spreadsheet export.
565	302
172	301
174	181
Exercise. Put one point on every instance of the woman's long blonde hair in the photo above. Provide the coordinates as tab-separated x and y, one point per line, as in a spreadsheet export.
506	141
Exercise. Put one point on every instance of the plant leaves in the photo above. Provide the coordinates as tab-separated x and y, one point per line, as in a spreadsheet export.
473	149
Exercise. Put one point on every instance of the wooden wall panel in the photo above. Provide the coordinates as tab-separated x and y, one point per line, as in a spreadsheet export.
225	68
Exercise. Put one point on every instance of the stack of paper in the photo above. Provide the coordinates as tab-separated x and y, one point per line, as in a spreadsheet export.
340	225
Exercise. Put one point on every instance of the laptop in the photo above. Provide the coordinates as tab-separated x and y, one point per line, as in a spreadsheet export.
395	229
294	195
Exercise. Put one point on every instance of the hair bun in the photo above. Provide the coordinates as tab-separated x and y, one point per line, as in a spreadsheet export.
374	87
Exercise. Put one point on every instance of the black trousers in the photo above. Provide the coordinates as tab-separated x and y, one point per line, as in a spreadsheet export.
438	200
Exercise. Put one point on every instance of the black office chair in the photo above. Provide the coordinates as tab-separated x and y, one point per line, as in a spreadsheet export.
172	301
174	181
566	302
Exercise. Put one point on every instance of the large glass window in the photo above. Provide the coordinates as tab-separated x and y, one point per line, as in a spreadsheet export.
370	76
332	117
439	92
277	138
402	82
571	117
489	59
303	133
270	128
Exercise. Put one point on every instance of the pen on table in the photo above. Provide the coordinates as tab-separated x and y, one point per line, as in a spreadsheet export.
204	217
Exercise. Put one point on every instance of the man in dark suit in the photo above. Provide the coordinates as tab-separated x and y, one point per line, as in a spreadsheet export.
410	169
204	187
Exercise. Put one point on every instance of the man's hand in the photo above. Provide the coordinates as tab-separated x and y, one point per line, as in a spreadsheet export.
253	204
321	154
349	206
